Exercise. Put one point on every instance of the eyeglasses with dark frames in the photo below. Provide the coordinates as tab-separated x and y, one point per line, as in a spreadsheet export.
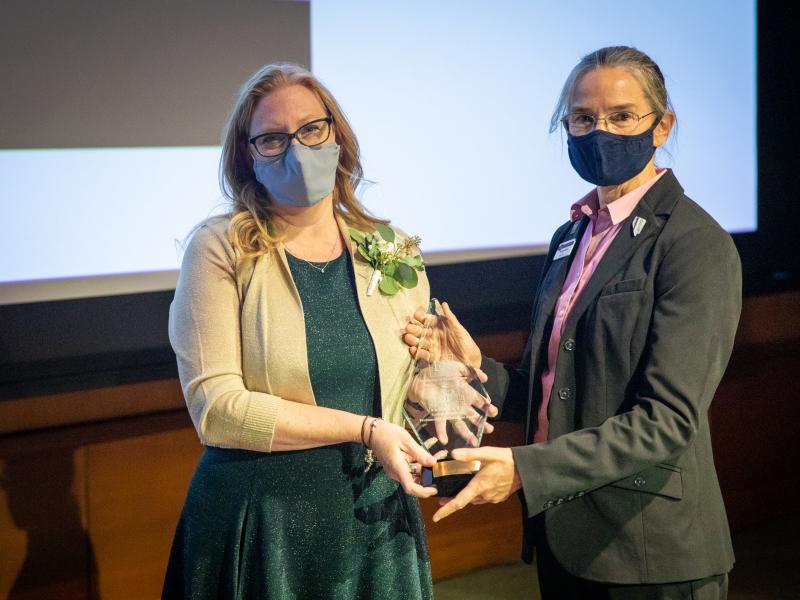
275	143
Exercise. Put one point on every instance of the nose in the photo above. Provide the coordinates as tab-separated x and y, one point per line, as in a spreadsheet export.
603	121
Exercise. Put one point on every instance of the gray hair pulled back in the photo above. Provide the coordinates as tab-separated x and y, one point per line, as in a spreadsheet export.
640	65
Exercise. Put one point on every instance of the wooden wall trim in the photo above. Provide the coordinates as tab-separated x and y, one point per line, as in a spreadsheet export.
766	320
86	406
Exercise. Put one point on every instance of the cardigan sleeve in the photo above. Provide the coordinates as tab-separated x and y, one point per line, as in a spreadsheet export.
205	333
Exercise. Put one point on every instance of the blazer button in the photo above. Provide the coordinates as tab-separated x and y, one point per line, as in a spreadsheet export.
569	345
565	393
548	504
639	481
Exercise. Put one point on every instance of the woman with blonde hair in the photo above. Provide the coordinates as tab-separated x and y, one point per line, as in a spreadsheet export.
294	371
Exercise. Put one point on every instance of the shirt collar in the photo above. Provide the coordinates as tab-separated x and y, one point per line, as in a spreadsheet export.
620	209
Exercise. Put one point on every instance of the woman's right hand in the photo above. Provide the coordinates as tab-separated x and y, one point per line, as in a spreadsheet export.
397	450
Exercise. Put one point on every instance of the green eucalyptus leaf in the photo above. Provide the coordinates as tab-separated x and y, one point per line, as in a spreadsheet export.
357	236
415	262
406	275
389	269
363	253
411	261
386	232
388	285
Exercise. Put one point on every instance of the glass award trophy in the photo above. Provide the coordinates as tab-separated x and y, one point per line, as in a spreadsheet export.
446	406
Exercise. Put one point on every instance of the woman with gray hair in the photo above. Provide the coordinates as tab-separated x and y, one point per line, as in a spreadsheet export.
632	328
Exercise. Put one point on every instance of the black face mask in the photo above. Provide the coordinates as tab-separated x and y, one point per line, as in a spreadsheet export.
604	158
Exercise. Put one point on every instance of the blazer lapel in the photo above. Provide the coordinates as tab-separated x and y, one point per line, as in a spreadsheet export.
548	293
656	204
554	278
628	239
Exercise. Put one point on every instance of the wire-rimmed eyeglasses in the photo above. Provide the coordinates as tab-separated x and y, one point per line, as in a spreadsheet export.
622	121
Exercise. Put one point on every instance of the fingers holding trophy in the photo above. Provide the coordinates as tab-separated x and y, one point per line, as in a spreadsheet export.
447	406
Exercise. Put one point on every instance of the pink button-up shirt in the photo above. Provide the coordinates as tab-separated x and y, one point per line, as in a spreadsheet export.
604	225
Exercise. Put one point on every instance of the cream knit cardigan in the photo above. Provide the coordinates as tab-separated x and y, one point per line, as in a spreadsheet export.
240	338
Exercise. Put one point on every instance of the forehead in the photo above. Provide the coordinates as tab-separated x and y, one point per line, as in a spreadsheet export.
287	107
605	87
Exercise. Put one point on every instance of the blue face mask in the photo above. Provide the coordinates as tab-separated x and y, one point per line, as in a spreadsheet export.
604	158
300	177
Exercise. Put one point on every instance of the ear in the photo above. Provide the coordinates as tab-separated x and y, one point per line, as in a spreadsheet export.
661	132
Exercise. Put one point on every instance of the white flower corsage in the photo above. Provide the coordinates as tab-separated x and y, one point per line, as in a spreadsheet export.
393	262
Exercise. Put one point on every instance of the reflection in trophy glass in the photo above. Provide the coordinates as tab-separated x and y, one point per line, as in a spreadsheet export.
446	406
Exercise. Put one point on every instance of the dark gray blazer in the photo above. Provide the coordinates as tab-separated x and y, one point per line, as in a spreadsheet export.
627	478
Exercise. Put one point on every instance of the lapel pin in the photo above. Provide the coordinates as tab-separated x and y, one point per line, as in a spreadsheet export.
637	225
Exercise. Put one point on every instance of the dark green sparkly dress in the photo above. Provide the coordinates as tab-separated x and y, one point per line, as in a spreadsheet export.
305	524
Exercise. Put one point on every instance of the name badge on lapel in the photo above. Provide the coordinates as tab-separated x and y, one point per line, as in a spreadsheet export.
564	249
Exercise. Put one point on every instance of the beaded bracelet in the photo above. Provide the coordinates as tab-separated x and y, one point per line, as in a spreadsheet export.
372	427
369	457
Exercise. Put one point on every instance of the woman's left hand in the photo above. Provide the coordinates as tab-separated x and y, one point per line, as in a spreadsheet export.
397	451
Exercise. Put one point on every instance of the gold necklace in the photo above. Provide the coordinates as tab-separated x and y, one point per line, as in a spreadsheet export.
313	266
325	266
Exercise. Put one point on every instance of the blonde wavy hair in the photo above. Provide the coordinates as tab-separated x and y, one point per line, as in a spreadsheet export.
252	229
